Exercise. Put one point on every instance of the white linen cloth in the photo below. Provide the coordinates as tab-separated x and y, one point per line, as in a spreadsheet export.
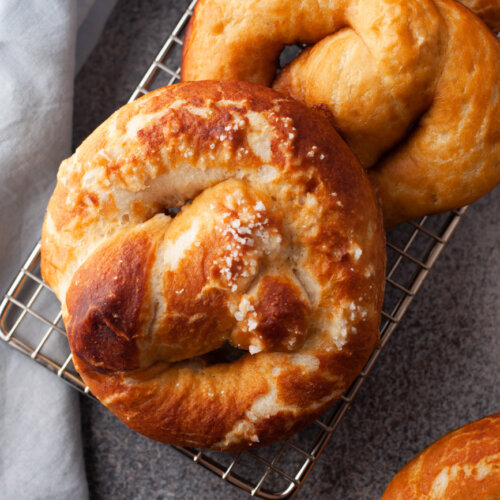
42	42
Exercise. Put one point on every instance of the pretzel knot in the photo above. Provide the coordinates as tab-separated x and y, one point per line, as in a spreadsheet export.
280	255
413	85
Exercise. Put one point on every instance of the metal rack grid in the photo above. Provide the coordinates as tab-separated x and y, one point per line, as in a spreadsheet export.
30	321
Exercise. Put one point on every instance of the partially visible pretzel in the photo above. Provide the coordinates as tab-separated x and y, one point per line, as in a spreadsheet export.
487	10
462	465
281	253
413	85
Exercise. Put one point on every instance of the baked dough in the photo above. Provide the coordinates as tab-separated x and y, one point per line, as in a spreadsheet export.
280	254
463	465
487	10
413	85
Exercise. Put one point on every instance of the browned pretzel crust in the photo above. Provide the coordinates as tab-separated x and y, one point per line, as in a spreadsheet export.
487	10
413	85
463	465
281	253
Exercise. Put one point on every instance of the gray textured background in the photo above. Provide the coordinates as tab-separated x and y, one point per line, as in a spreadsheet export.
439	370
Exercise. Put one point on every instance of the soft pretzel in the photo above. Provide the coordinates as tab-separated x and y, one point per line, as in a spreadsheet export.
413	85
463	465
280	254
487	10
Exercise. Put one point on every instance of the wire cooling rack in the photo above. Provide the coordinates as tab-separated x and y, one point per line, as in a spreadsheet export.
30	321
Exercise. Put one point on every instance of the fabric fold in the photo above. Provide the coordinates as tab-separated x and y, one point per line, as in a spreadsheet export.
40	437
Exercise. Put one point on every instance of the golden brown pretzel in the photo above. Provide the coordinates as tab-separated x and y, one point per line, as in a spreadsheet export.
487	10
413	85
463	465
281	254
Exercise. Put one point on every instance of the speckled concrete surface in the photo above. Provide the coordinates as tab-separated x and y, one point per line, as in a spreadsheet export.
439	370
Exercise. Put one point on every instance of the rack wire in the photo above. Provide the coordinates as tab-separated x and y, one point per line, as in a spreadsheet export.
31	322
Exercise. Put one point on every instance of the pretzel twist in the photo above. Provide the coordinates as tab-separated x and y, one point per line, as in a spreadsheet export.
413	85
281	254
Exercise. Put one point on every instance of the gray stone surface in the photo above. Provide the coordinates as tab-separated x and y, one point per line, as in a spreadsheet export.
438	371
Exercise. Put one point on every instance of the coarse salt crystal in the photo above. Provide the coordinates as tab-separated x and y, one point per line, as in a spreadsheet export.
252	324
254	349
